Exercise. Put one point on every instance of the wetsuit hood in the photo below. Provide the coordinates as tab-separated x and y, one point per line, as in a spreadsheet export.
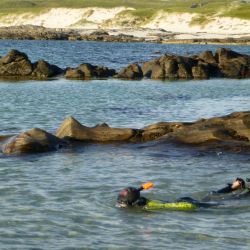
128	197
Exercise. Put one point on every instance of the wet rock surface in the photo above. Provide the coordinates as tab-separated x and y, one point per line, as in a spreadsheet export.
32	141
230	133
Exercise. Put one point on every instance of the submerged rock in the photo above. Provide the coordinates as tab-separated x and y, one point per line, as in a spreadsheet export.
32	141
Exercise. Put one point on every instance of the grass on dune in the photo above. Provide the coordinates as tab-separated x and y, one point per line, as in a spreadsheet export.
144	8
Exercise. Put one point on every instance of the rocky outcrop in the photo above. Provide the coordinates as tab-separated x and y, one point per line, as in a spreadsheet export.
33	32
133	71
17	65
44	70
88	71
225	63
233	64
32	141
231	132
73	130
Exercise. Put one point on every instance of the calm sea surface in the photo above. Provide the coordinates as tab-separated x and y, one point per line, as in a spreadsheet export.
66	199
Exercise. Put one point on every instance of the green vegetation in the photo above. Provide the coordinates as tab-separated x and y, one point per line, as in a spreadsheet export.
200	20
239	12
144	8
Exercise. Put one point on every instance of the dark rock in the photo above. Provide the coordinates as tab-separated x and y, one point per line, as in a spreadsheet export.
200	71
73	130
133	71
184	71
225	63
74	74
207	56
32	141
88	71
171	68
15	64
232	64
44	70
147	68
99	33
157	71
33	32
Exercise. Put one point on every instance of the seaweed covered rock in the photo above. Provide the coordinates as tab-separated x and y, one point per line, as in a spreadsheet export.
32	141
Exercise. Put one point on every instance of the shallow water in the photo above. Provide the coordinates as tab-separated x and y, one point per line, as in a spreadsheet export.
66	199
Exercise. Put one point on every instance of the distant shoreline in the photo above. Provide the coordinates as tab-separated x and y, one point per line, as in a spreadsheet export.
127	24
33	32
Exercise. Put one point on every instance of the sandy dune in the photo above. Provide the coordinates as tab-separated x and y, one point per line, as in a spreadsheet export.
119	18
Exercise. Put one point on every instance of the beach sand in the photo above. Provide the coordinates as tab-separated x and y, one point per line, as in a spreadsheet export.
119	20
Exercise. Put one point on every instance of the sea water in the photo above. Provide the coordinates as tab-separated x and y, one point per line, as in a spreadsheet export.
66	199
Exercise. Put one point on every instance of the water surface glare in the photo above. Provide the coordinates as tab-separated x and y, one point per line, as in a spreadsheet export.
66	199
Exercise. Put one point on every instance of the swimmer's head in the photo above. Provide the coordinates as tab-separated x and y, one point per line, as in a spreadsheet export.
130	196
127	197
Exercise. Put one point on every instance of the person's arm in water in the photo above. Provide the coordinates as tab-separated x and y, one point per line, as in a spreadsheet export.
239	183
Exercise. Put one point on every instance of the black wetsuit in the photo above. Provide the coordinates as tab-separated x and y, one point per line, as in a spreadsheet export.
227	193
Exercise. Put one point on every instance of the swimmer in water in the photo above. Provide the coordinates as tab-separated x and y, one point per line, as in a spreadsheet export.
237	189
131	197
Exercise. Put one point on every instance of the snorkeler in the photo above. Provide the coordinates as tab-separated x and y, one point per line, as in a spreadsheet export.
131	197
235	190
